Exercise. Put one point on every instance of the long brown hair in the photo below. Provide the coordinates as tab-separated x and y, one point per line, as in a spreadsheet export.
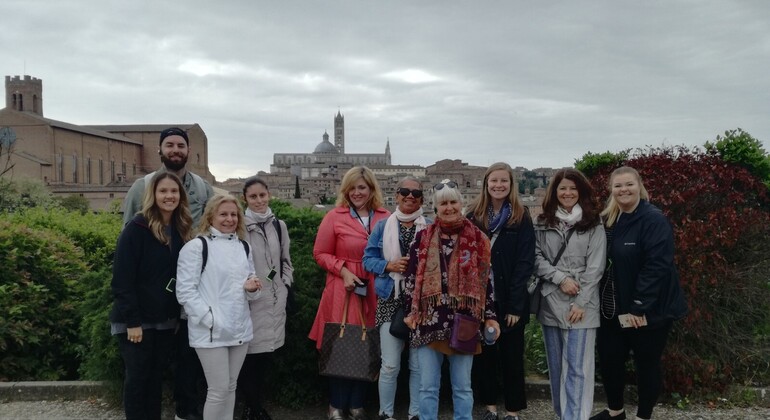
586	198
479	206
180	218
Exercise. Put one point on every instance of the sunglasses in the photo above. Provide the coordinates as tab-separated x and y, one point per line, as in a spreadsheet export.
406	191
441	185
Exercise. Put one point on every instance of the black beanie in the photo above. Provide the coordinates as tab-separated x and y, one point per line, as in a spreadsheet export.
173	131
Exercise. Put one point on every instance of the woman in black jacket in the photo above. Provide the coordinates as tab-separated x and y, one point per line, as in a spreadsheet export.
640	294
499	212
145	309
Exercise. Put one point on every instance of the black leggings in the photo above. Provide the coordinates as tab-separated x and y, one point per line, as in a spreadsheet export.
251	380
507	353
613	345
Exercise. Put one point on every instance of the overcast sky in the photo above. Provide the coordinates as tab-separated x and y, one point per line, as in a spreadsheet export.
535	83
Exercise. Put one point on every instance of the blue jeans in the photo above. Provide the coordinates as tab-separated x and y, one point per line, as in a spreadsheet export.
391	348
460	366
570	355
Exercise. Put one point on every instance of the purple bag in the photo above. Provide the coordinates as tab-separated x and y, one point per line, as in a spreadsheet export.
465	334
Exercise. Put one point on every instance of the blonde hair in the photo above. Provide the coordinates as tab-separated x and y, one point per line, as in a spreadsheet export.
612	211
180	217
213	205
352	176
479	206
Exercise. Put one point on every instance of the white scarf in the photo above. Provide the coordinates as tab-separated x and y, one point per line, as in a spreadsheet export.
569	219
391	249
260	217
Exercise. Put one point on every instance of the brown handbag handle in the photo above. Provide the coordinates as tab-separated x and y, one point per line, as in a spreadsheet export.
345	316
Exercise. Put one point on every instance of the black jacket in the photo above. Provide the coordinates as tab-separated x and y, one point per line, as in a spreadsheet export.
513	260
642	257
141	270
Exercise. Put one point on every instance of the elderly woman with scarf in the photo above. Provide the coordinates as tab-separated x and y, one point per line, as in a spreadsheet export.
447	279
499	212
386	257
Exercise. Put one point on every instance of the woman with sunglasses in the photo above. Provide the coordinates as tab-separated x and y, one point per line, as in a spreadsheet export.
339	249
570	259
499	213
386	257
448	278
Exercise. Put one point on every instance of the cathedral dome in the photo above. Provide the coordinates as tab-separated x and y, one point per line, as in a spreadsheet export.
325	147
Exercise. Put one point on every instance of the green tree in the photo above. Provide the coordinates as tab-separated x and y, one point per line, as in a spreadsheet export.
740	148
76	203
591	163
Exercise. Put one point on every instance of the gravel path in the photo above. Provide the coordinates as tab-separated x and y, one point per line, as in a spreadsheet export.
538	410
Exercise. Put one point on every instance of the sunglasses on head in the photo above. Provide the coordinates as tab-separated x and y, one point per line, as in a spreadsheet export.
406	191
441	185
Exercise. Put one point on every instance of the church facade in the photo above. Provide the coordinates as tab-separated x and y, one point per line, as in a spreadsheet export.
98	162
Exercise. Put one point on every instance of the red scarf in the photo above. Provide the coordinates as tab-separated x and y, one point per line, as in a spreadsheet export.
467	271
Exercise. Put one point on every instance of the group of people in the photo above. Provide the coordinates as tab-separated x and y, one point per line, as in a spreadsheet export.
607	282
200	281
205	283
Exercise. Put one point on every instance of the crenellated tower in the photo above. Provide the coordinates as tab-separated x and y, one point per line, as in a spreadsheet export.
24	94
339	132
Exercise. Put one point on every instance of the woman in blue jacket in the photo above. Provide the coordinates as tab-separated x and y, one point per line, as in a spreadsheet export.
640	294
145	310
386	255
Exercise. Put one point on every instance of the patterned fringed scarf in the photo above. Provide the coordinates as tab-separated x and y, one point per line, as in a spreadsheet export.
467	271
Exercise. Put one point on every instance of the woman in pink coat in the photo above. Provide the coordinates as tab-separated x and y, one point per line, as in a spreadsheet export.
339	249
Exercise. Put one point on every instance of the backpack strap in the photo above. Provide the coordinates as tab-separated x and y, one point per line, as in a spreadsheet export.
205	250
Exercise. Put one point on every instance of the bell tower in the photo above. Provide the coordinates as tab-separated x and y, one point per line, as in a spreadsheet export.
339	132
24	94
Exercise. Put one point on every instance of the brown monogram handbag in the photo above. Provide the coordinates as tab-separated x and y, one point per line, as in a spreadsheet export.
350	351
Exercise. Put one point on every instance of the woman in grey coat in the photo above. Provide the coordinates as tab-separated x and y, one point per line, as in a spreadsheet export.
269	241
569	311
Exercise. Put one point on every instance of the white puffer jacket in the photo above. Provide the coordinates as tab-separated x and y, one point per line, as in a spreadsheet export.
216	304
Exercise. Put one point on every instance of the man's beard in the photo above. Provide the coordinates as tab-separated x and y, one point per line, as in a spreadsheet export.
173	165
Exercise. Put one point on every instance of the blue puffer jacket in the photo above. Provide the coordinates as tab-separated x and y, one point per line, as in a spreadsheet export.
642	257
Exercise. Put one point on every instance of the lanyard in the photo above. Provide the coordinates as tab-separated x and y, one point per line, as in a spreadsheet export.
367	226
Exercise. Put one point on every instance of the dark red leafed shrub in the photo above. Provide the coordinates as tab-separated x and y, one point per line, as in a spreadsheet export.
720	215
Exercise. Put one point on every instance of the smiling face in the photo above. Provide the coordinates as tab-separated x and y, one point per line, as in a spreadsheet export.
358	195
167	197
626	190
567	194
499	185
225	218
173	152
408	204
257	198
449	210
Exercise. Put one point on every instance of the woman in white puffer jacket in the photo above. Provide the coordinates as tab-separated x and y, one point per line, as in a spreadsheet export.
215	291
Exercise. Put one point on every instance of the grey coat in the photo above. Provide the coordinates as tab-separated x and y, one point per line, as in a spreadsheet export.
584	260
268	312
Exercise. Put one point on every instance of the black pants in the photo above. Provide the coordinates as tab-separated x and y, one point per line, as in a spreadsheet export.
251	381
505	356
345	394
188	375
613	345
145	362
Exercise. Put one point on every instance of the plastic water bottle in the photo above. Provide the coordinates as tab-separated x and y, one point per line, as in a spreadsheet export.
489	336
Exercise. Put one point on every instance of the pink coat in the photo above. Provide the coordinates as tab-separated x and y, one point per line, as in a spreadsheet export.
340	241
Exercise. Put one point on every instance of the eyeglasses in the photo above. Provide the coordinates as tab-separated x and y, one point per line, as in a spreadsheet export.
440	185
406	191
